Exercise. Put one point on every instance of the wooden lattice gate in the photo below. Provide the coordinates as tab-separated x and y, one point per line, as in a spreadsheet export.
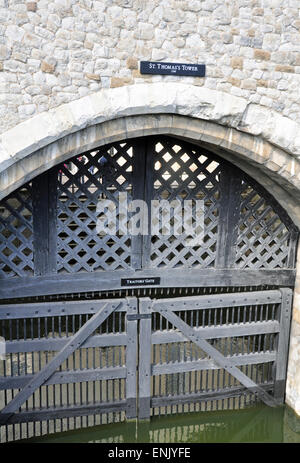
66	361
215	352
206	312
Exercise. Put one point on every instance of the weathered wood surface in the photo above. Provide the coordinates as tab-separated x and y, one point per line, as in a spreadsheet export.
177	278
66	377
58	343
230	190
217	332
198	365
57	412
144	361
220	300
44	205
224	362
131	360
74	343
54	309
227	393
283	344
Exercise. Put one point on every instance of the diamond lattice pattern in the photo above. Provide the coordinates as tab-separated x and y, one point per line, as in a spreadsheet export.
98	175
263	239
180	173
16	234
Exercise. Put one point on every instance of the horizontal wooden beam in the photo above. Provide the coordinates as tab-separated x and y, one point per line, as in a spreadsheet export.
227	393
169	278
53	309
66	377
57	413
216	332
56	344
204	364
73	343
219	300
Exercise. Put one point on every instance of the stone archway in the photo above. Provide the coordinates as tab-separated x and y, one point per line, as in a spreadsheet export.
261	142
263	138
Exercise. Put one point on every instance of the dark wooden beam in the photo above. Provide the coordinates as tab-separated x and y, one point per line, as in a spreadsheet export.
44	203
67	283
229	215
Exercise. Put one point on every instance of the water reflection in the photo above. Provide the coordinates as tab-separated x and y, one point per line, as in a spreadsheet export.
258	424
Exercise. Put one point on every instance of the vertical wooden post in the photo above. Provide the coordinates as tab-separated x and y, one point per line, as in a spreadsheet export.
138	187
283	344
230	190
148	196
145	348
293	247
44	205
131	359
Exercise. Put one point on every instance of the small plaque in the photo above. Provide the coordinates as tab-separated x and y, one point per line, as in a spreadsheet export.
140	281
173	69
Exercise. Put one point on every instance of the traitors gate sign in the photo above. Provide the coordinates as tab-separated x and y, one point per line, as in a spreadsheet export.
177	69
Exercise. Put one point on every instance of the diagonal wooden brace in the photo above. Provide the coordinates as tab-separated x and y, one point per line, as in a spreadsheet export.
44	374
225	363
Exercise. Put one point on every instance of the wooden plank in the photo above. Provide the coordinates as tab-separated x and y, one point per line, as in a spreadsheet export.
148	196
293	248
217	332
56	344
111	280
138	182
131	360
47	309
44	204
220	300
144	360
229	214
74	343
225	363
66	377
226	393
53	309
204	364
283	344
57	413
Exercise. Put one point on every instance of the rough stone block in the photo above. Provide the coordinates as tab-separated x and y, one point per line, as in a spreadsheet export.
262	55
237	62
47	66
132	63
31	6
284	68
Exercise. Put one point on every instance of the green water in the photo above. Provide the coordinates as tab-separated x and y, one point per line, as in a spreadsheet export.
258	424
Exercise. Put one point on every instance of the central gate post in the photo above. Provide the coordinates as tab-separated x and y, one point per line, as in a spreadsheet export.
145	305
131	358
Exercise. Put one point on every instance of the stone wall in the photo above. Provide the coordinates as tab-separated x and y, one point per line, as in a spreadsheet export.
54	52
